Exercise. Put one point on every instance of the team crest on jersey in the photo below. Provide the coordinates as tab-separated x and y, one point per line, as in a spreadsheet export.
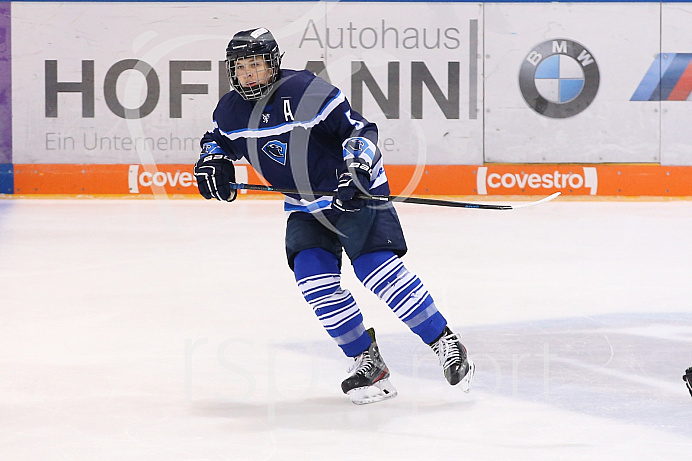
276	151
265	118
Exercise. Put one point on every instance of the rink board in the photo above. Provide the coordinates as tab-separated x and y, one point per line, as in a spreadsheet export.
450	85
501	179
147	93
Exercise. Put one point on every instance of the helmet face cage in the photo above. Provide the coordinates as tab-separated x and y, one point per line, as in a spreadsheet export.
260	57
264	67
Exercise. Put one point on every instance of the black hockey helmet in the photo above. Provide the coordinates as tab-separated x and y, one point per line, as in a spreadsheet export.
260	44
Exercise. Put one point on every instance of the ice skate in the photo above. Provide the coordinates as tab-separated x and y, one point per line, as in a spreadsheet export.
369	381
458	369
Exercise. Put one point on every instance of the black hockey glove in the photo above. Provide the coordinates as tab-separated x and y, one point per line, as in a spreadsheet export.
687	377
354	180
214	174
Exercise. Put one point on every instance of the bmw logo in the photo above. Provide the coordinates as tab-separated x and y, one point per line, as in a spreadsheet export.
559	78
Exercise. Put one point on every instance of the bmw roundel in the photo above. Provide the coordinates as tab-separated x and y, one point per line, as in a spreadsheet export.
559	78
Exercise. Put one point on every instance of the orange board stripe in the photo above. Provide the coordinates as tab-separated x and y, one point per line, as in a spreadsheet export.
491	179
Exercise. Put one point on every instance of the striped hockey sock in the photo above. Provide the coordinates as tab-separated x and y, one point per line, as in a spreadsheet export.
383	273
319	279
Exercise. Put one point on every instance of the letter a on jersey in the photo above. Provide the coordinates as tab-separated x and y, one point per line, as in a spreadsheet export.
288	114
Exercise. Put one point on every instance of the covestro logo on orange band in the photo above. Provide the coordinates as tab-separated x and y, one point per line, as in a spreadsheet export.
526	179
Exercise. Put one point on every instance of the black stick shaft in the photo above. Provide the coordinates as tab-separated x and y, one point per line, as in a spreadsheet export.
381	198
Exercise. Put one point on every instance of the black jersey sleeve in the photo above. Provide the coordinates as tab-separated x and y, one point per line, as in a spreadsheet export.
346	123
213	140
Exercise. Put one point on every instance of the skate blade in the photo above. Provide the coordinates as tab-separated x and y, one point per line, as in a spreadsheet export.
465	383
381	390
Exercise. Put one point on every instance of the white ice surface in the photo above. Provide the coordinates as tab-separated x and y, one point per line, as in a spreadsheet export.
173	330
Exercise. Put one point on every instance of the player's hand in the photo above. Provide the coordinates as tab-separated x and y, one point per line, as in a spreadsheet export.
688	379
354	180
214	174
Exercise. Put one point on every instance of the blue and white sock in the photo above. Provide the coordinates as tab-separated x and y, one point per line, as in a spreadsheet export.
383	273
319	279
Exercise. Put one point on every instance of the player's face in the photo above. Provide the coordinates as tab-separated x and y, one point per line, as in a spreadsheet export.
253	71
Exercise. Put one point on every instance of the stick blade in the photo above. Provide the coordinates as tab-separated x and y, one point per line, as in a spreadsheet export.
537	202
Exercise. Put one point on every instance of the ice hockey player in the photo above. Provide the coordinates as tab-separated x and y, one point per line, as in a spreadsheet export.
300	133
687	377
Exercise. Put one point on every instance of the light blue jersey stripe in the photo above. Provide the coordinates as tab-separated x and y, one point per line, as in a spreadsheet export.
312	207
285	127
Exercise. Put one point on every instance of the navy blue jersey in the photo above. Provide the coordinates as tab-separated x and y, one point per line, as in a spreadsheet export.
294	137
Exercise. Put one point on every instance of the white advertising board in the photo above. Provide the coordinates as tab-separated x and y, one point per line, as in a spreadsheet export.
676	102
137	82
559	78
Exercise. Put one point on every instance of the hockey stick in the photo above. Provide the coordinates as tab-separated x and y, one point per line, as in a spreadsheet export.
395	198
